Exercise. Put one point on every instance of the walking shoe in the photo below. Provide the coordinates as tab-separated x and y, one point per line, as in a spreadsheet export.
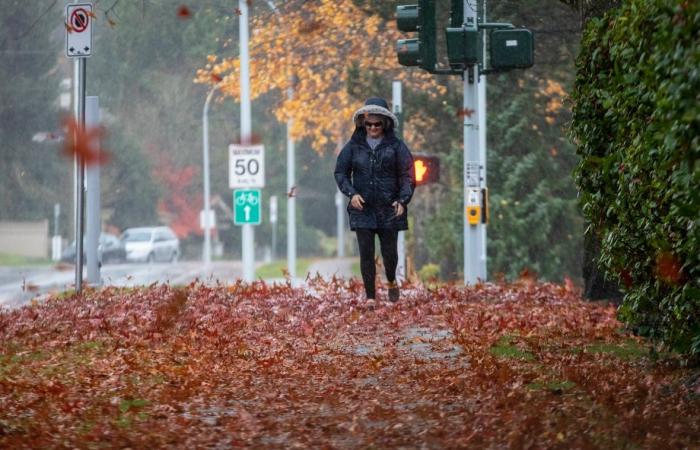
393	292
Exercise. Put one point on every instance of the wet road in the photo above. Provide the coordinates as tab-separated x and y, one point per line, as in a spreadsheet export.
19	285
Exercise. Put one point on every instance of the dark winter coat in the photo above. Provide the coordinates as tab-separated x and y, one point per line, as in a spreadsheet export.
381	176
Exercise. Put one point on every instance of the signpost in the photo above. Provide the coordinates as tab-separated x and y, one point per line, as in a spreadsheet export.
246	207
78	25
79	30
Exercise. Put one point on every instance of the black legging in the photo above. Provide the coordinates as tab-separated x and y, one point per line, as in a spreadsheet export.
390	255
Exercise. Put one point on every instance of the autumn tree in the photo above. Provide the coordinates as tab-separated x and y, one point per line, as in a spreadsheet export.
319	49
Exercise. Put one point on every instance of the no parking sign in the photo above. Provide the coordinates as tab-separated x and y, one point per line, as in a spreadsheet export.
79	30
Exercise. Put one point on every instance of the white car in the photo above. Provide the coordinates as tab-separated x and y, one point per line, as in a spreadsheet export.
151	244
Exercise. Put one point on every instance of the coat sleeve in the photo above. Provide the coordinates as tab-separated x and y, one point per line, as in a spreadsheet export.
343	172
407	175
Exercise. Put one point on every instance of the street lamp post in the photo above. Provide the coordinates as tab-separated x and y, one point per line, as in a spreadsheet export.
206	251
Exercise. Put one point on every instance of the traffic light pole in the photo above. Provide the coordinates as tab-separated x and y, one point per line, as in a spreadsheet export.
474	175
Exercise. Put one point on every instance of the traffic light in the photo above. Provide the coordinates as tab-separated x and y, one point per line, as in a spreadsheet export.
421	51
462	39
462	47
427	169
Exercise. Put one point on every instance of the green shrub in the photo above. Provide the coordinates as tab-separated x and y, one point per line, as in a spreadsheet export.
429	272
636	121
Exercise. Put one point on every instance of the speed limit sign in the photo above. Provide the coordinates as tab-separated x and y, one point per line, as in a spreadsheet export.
246	166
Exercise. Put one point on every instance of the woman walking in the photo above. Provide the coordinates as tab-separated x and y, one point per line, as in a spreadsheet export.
375	171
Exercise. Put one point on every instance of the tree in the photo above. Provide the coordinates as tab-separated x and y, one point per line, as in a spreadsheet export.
320	50
34	175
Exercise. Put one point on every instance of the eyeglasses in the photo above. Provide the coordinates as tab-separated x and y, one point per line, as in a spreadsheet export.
374	124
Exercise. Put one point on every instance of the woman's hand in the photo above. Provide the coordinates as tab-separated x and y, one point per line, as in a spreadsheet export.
357	201
398	208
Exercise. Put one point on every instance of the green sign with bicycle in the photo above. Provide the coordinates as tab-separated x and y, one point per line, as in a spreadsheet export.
246	207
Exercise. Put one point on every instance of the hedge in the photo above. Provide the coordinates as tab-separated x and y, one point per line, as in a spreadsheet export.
636	124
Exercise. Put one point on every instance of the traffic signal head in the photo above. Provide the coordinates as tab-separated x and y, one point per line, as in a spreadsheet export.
421	51
427	169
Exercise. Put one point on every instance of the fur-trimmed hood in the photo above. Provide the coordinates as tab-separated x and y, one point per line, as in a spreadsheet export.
373	109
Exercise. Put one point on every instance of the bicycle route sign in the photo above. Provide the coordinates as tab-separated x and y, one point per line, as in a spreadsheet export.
247	205
79	30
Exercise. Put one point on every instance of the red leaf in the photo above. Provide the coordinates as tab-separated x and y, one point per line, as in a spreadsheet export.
84	143
183	12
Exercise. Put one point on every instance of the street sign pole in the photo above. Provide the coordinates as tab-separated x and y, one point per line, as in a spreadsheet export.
79	188
247	231
273	224
78	25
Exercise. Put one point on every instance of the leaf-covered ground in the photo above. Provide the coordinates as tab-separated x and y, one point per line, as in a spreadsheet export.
492	366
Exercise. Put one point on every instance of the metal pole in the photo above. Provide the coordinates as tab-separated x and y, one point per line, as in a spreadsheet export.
291	204
396	102
474	268
80	119
273	224
247	231
56	240
206	250
340	224
291	184
93	219
482	150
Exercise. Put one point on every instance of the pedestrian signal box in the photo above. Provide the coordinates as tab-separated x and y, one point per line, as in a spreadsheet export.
512	49
427	169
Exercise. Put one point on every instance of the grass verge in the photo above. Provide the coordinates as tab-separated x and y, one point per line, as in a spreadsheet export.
17	260
276	269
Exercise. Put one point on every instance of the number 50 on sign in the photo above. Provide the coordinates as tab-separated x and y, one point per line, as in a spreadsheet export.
246	166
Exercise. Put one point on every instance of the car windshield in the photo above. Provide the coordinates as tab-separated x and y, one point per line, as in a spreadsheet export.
137	236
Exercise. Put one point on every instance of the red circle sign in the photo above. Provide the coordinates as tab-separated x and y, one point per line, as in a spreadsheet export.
79	20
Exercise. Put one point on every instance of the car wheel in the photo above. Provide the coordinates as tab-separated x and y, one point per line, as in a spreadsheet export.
151	258
175	257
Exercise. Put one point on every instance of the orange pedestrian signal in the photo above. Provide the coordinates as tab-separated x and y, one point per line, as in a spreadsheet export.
426	169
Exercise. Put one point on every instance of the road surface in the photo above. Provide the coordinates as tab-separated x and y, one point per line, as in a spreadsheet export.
18	285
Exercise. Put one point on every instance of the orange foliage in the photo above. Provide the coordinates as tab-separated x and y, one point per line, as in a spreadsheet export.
318	44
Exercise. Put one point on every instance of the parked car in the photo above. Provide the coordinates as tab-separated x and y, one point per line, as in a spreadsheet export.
151	244
110	249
